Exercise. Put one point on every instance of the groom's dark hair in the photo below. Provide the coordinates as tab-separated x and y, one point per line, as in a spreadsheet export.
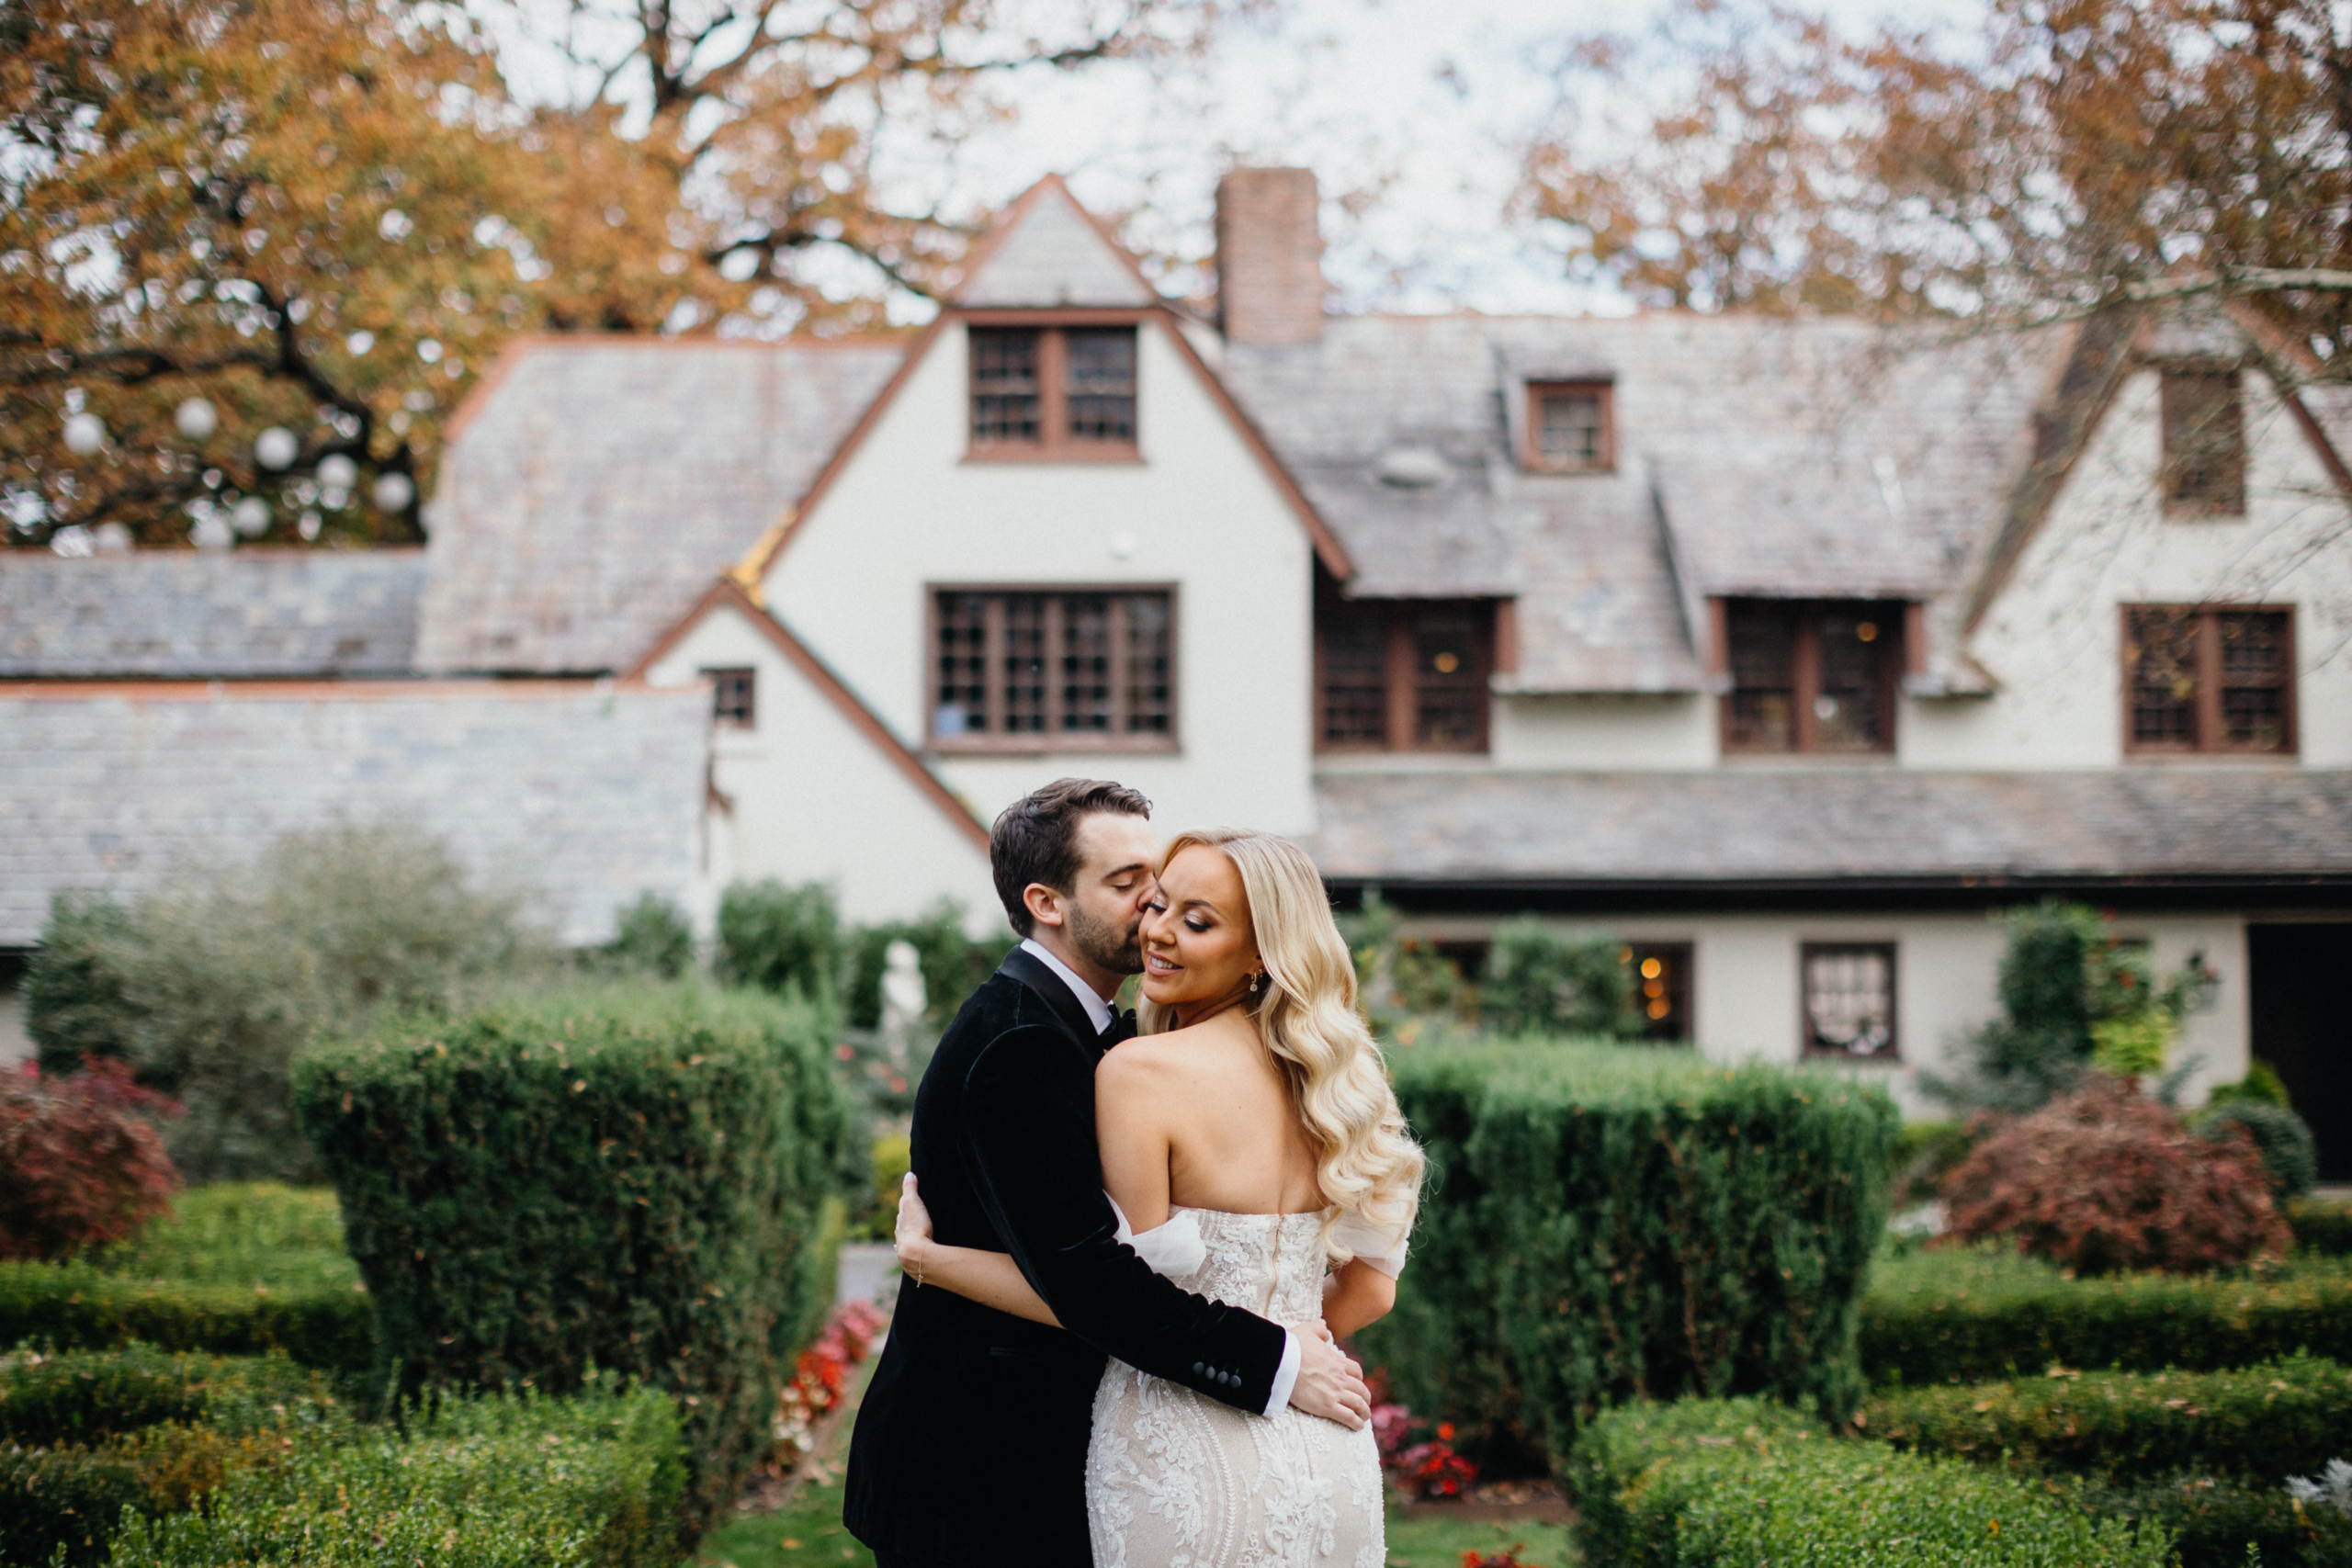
1036	838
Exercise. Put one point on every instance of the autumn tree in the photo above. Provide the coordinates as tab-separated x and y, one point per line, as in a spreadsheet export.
2077	156
252	251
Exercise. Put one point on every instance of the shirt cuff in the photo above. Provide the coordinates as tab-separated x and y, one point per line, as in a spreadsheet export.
1286	1375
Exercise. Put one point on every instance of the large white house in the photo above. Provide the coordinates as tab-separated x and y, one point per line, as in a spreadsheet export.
1784	650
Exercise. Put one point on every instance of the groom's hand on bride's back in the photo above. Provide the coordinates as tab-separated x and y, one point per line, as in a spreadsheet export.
1330	1384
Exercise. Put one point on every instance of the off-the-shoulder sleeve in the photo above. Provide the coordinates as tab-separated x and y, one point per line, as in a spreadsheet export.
1174	1250
1383	1247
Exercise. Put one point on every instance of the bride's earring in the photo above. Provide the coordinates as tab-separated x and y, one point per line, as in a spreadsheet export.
1254	980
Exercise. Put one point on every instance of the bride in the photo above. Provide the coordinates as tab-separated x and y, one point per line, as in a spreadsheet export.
1256	1155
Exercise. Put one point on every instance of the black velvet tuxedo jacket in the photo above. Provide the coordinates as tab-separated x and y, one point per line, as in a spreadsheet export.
971	1447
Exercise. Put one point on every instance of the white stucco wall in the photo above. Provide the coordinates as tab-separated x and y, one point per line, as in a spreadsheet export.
1604	733
815	800
1746	1003
2054	638
1197	514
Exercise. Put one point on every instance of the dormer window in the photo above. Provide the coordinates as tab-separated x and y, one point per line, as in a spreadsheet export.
2204	430
1570	427
1810	676
1053	392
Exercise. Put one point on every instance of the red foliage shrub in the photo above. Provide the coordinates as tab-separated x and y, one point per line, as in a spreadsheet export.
80	1164
2106	1178
1418	1458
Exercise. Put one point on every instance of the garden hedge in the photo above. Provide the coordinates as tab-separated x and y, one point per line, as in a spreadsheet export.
2281	1418
1748	1481
85	1435
594	1479
639	1179
73	1305
2320	1226
1954	1315
2215	1521
237	1268
1603	1225
283	1474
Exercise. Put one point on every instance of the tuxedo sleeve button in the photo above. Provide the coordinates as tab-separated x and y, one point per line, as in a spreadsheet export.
1198	1368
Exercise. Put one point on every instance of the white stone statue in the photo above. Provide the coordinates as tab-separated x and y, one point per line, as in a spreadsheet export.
903	999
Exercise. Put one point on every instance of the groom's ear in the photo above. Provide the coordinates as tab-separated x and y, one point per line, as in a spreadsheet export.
1046	907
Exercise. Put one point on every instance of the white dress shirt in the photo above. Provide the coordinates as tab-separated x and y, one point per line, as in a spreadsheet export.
1098	1011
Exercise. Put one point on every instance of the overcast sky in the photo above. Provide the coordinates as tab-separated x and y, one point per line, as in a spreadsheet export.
1416	105
1411	113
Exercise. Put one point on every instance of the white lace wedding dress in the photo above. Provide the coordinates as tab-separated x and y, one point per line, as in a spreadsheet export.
1175	1479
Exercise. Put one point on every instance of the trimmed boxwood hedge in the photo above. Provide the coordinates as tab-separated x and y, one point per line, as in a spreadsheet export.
250	1460
2320	1226
637	1178
70	1305
1723	1482
2281	1418
594	1479
87	1434
1950	1315
1603	1225
2214	1520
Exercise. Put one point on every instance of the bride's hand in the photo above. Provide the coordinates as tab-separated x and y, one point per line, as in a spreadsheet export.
913	1231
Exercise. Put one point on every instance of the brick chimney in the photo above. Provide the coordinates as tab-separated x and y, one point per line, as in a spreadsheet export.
1269	257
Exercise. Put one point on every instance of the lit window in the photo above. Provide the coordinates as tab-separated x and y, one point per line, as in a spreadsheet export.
1403	675
1662	987
1849	997
1811	676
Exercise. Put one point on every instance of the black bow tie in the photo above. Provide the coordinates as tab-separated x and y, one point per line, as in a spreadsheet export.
1121	1028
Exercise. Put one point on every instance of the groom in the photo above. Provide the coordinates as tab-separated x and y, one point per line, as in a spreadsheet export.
971	1448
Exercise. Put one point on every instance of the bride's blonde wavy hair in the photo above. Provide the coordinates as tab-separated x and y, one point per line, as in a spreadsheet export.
1368	1165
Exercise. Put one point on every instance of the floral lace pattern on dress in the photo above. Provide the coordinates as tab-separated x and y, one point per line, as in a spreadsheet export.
1175	1479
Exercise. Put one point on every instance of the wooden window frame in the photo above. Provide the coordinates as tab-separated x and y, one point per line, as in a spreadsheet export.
1890	1052
1054	739
1532	455
1053	443
2177	509
1399	676
721	716
2209	741
1899	640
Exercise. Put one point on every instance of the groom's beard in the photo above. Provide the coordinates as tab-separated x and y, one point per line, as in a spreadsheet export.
1115	944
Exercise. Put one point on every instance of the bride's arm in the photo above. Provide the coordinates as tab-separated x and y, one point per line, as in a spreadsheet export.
1356	1295
991	1278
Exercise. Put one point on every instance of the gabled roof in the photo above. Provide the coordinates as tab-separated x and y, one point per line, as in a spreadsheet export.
1047	251
1773	457
187	615
728	594
587	795
597	484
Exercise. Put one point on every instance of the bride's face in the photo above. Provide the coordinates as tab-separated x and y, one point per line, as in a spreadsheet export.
1197	946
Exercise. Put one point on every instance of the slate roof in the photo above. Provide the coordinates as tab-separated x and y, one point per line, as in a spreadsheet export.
1048	251
1733	825
590	796
182	614
600	484
1773	457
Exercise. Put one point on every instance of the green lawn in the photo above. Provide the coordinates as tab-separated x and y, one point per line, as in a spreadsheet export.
810	1532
